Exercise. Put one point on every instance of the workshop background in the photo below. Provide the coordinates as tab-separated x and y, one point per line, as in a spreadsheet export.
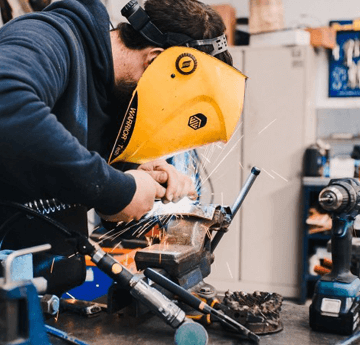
287	109
301	88
286	49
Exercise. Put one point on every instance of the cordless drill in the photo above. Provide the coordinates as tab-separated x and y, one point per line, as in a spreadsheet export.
335	305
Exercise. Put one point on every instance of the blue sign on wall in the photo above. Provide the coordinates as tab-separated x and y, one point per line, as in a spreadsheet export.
344	64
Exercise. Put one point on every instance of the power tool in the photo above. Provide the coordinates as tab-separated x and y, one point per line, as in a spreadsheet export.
335	305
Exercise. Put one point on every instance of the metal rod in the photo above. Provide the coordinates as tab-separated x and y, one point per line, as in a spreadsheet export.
245	190
237	204
64	336
10	258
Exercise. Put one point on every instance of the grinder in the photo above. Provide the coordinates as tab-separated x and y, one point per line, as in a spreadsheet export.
335	305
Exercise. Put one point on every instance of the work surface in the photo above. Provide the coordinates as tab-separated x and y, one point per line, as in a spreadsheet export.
113	329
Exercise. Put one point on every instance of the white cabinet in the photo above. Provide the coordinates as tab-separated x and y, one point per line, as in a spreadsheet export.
262	250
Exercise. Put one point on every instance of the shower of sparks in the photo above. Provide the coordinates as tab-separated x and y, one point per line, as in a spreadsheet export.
207	159
228	266
52	266
150	239
269	174
116	246
279	176
267	126
224	158
224	147
71	296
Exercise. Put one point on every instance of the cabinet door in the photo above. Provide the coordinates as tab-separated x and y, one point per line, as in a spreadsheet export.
275	136
222	162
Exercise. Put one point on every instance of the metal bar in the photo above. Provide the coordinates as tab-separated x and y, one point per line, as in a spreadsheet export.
245	190
9	260
64	336
237	204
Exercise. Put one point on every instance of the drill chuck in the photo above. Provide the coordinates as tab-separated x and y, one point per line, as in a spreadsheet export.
334	198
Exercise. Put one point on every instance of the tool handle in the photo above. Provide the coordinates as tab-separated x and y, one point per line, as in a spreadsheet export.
186	296
237	204
245	190
197	304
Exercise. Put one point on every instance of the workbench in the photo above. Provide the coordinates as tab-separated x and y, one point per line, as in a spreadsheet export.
107	329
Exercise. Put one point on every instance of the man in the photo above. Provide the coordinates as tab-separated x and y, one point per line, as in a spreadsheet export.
64	78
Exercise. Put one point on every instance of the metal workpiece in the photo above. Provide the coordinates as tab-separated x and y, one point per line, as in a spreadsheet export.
158	303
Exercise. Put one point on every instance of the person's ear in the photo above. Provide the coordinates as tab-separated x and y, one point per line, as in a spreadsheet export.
151	55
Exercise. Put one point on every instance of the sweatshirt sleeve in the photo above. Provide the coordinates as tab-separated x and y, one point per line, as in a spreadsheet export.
38	155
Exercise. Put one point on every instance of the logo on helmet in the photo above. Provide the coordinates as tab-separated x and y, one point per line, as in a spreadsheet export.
197	121
186	63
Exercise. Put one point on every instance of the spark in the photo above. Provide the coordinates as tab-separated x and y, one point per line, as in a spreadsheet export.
70	256
159	258
70	295
267	126
227	264
207	159
52	265
269	174
224	158
116	246
149	240
208	233
279	175
56	318
241	166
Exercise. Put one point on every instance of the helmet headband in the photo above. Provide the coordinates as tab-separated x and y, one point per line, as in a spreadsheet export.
142	23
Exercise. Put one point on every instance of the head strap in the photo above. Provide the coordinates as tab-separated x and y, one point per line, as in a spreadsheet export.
142	23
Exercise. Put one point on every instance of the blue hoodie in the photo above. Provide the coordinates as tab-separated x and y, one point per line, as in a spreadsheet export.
56	106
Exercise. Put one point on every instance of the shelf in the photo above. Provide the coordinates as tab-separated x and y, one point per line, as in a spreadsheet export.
319	237
311	277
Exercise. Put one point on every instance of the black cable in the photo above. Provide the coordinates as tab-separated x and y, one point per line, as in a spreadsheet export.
30	211
11	220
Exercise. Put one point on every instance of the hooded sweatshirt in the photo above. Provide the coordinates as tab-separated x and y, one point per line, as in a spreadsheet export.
56	105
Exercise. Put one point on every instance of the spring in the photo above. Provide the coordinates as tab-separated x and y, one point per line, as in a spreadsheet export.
47	206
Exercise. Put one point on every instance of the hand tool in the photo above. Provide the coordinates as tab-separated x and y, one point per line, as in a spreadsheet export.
198	304
335	305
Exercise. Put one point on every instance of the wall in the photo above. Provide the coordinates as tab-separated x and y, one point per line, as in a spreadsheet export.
304	12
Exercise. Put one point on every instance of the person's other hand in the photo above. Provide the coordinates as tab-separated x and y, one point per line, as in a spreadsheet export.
147	190
177	184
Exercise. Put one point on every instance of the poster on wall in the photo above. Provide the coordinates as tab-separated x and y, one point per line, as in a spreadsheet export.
344	64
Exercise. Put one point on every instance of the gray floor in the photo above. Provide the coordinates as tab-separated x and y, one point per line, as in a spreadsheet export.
121	329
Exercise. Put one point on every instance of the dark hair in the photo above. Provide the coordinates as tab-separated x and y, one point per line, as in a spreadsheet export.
190	17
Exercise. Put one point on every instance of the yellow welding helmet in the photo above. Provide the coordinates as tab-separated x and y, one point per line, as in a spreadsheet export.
183	100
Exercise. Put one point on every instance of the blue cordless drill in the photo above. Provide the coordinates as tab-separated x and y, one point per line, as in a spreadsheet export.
335	305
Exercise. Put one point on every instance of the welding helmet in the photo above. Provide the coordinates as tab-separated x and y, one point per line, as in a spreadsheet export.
183	100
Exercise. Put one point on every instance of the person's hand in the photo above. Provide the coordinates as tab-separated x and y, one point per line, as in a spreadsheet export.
178	185
147	190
